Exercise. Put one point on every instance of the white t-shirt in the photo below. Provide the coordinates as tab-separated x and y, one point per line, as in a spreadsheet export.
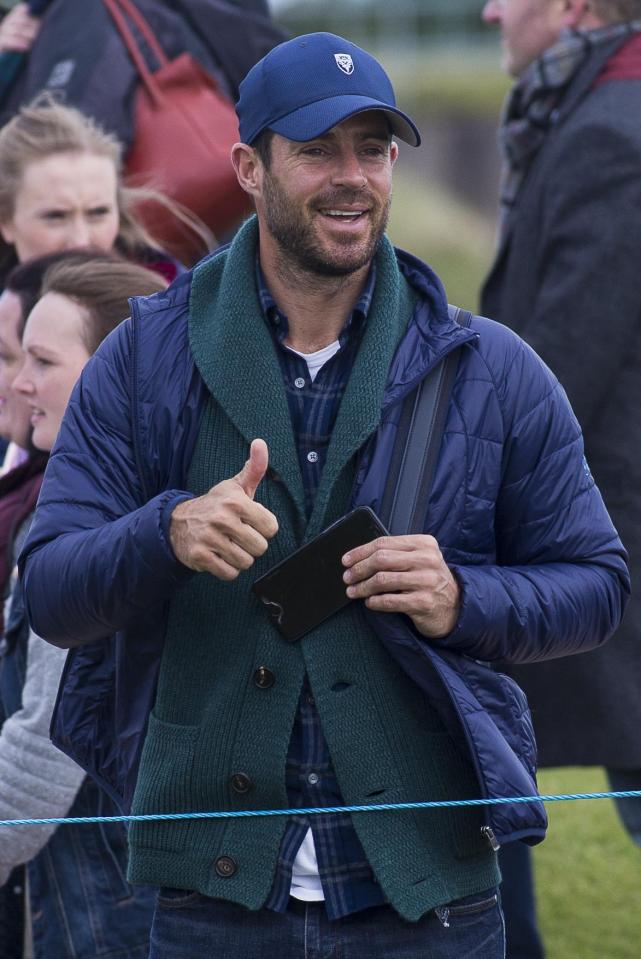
318	359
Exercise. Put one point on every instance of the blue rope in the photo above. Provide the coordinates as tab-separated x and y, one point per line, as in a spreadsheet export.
318	811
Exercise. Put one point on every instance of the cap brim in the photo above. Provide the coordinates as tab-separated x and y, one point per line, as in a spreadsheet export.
315	119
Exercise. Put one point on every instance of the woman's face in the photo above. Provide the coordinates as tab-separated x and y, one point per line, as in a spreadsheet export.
55	354
14	412
64	201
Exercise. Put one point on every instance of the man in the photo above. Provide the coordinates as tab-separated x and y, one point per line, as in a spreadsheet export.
299	343
566	278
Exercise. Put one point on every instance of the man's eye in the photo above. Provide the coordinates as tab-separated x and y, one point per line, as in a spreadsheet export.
374	151
99	211
54	215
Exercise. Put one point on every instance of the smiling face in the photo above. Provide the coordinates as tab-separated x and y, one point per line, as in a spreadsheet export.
64	201
55	353
14	412
325	203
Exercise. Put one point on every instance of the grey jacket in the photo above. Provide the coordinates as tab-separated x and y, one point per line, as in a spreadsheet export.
567	278
37	781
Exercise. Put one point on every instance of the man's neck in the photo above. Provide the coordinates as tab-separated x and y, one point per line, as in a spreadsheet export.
317	307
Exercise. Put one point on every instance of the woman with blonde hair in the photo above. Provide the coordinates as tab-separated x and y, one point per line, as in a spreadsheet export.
61	188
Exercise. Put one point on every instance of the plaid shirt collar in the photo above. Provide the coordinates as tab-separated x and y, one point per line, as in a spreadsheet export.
277	320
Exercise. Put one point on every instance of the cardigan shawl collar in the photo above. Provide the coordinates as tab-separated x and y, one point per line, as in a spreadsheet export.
236	357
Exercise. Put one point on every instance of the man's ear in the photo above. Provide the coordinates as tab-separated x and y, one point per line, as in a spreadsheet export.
248	168
7	232
578	14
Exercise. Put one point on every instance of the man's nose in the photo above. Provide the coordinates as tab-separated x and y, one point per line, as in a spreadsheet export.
492	11
349	171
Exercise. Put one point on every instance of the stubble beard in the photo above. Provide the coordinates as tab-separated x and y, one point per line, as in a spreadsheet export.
296	239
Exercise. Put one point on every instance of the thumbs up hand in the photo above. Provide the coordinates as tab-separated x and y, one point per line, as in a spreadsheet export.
254	469
224	531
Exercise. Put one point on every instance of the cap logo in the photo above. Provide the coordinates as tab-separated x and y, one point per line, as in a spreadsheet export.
344	62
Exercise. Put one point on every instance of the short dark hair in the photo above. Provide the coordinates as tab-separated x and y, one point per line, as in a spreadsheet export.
263	147
25	281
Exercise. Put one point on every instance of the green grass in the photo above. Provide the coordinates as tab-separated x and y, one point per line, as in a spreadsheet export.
588	874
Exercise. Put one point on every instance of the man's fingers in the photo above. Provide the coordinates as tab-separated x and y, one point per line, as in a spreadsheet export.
410	542
240	546
391	582
259	518
392	603
382	559
206	561
254	469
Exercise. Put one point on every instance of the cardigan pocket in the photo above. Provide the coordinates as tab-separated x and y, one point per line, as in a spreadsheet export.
165	779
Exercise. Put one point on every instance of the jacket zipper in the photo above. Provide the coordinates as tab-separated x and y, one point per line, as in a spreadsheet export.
488	832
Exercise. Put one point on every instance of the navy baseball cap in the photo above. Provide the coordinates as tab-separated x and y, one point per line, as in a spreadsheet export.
305	86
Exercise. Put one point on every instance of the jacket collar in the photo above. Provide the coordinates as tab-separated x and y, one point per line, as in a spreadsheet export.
431	335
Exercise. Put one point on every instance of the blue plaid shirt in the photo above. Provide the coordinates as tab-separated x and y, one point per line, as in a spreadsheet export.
346	876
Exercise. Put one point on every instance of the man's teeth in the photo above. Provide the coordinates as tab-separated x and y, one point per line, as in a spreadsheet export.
349	213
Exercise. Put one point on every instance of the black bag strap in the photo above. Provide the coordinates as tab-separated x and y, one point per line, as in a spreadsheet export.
418	442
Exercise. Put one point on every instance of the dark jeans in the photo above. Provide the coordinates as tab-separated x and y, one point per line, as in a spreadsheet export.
190	926
519	902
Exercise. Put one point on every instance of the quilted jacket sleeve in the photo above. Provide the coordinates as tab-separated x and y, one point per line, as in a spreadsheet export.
560	581
93	560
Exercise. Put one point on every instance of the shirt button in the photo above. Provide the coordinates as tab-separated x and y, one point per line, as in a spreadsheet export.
225	866
264	678
313	778
240	783
299	382
312	457
311	700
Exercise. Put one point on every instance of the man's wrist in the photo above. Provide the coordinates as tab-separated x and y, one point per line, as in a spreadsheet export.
180	496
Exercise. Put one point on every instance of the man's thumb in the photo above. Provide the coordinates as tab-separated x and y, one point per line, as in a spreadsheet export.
255	467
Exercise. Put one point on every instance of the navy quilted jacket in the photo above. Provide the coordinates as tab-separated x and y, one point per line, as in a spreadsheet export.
513	506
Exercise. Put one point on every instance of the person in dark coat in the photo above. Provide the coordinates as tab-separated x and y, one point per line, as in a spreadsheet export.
232	420
566	278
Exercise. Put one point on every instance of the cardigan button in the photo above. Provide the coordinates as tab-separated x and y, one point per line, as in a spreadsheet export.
240	783
225	866
264	678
